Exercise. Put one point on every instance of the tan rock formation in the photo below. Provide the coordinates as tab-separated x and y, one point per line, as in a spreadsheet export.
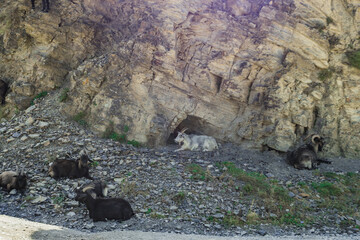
241	71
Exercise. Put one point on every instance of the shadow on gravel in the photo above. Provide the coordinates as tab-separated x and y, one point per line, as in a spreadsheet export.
59	234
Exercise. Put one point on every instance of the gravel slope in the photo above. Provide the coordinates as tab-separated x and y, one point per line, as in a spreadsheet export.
156	182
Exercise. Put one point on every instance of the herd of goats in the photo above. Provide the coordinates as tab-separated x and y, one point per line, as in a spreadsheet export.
94	195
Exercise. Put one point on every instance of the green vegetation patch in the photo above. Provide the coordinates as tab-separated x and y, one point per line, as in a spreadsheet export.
329	20
354	58
179	197
39	96
197	172
326	189
64	95
325	74
122	137
80	118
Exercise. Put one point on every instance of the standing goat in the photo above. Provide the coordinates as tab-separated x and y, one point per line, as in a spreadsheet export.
195	142
98	187
305	157
71	169
13	180
101	209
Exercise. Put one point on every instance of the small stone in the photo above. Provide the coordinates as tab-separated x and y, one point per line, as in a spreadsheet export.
16	135
39	199
219	215
64	140
70	214
12	192
118	180
24	138
89	225
29	121
262	232
273	215
269	175
304	195
29	109
72	203
43	124
46	143
173	208
35	135
291	194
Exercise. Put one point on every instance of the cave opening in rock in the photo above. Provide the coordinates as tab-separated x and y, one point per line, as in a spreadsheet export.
195	125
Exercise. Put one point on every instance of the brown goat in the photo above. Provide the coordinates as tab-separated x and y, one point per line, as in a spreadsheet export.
70	168
13	180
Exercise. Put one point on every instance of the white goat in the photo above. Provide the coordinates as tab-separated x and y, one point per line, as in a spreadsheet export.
195	142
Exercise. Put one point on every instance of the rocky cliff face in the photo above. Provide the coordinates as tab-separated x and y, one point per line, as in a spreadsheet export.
243	71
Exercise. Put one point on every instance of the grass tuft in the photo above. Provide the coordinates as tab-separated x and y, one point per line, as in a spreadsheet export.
325	74
64	95
80	118
354	58
39	96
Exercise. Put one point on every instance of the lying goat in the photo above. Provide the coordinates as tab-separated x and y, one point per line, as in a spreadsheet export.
195	142
3	90
305	157
13	180
70	168
98	187
101	209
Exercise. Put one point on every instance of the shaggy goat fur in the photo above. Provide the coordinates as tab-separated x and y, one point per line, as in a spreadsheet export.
13	180
71	169
195	142
101	209
305	157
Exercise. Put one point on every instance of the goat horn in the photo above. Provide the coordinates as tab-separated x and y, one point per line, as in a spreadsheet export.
183	130
313	137
22	171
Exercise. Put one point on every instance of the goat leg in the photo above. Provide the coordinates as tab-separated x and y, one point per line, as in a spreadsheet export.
323	161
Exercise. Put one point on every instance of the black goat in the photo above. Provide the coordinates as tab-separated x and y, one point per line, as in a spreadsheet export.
70	168
305	157
101	209
98	187
45	5
3	89
13	180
